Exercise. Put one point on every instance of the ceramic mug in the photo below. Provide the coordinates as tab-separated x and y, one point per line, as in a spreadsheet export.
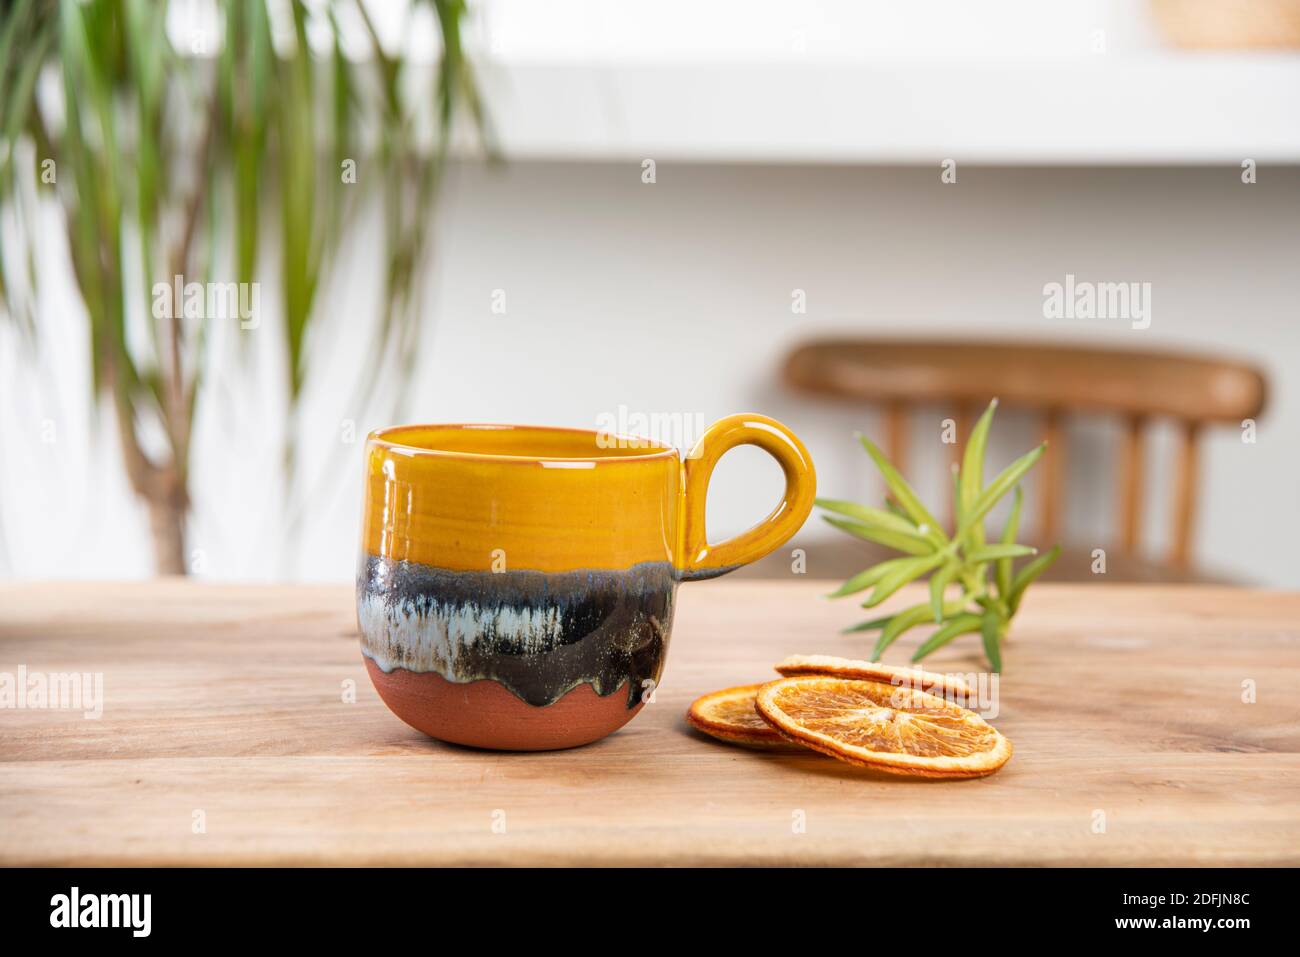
516	583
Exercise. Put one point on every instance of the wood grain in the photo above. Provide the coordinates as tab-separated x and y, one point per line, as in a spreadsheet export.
1124	700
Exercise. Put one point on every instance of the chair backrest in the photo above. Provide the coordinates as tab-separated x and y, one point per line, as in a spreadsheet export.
1054	380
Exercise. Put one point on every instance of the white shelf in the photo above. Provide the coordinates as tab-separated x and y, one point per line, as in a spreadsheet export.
1150	109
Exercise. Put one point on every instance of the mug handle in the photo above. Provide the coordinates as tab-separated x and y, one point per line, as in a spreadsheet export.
702	560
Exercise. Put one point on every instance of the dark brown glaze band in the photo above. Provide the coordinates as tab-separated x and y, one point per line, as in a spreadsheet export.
539	634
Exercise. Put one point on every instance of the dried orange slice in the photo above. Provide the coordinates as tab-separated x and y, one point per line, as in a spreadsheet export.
950	686
883	727
730	716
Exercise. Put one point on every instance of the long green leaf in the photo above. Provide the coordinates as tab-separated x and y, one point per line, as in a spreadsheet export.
147	41
991	631
956	497
15	19
15	25
865	579
298	201
909	570
902	541
871	625
866	513
1009	532
19	102
990	553
343	102
972	469
1006	480
960	625
1026	576
907	618
939	583
904	494
249	63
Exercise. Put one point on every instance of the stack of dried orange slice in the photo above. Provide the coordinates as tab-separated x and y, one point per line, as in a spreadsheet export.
898	720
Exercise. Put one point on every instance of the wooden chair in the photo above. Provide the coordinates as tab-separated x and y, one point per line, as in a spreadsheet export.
1055	381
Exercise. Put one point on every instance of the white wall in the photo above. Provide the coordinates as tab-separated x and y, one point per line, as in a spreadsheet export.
675	297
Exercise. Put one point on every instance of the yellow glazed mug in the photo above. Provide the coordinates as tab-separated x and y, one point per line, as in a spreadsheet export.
516	583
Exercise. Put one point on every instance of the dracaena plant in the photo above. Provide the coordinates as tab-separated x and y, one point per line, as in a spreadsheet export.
226	156
974	585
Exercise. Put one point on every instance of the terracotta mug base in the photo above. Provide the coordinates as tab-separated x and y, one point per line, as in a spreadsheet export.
486	714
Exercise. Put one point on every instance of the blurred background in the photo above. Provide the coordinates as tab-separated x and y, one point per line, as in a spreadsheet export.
649	216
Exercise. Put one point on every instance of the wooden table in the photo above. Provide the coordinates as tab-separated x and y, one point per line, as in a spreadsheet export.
228	737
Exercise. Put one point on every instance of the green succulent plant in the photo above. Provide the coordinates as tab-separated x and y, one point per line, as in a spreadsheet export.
962	560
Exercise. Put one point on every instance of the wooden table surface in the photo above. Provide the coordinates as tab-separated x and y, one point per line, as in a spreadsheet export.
227	737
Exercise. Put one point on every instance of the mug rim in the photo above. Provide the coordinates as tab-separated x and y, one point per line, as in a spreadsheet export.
389	438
